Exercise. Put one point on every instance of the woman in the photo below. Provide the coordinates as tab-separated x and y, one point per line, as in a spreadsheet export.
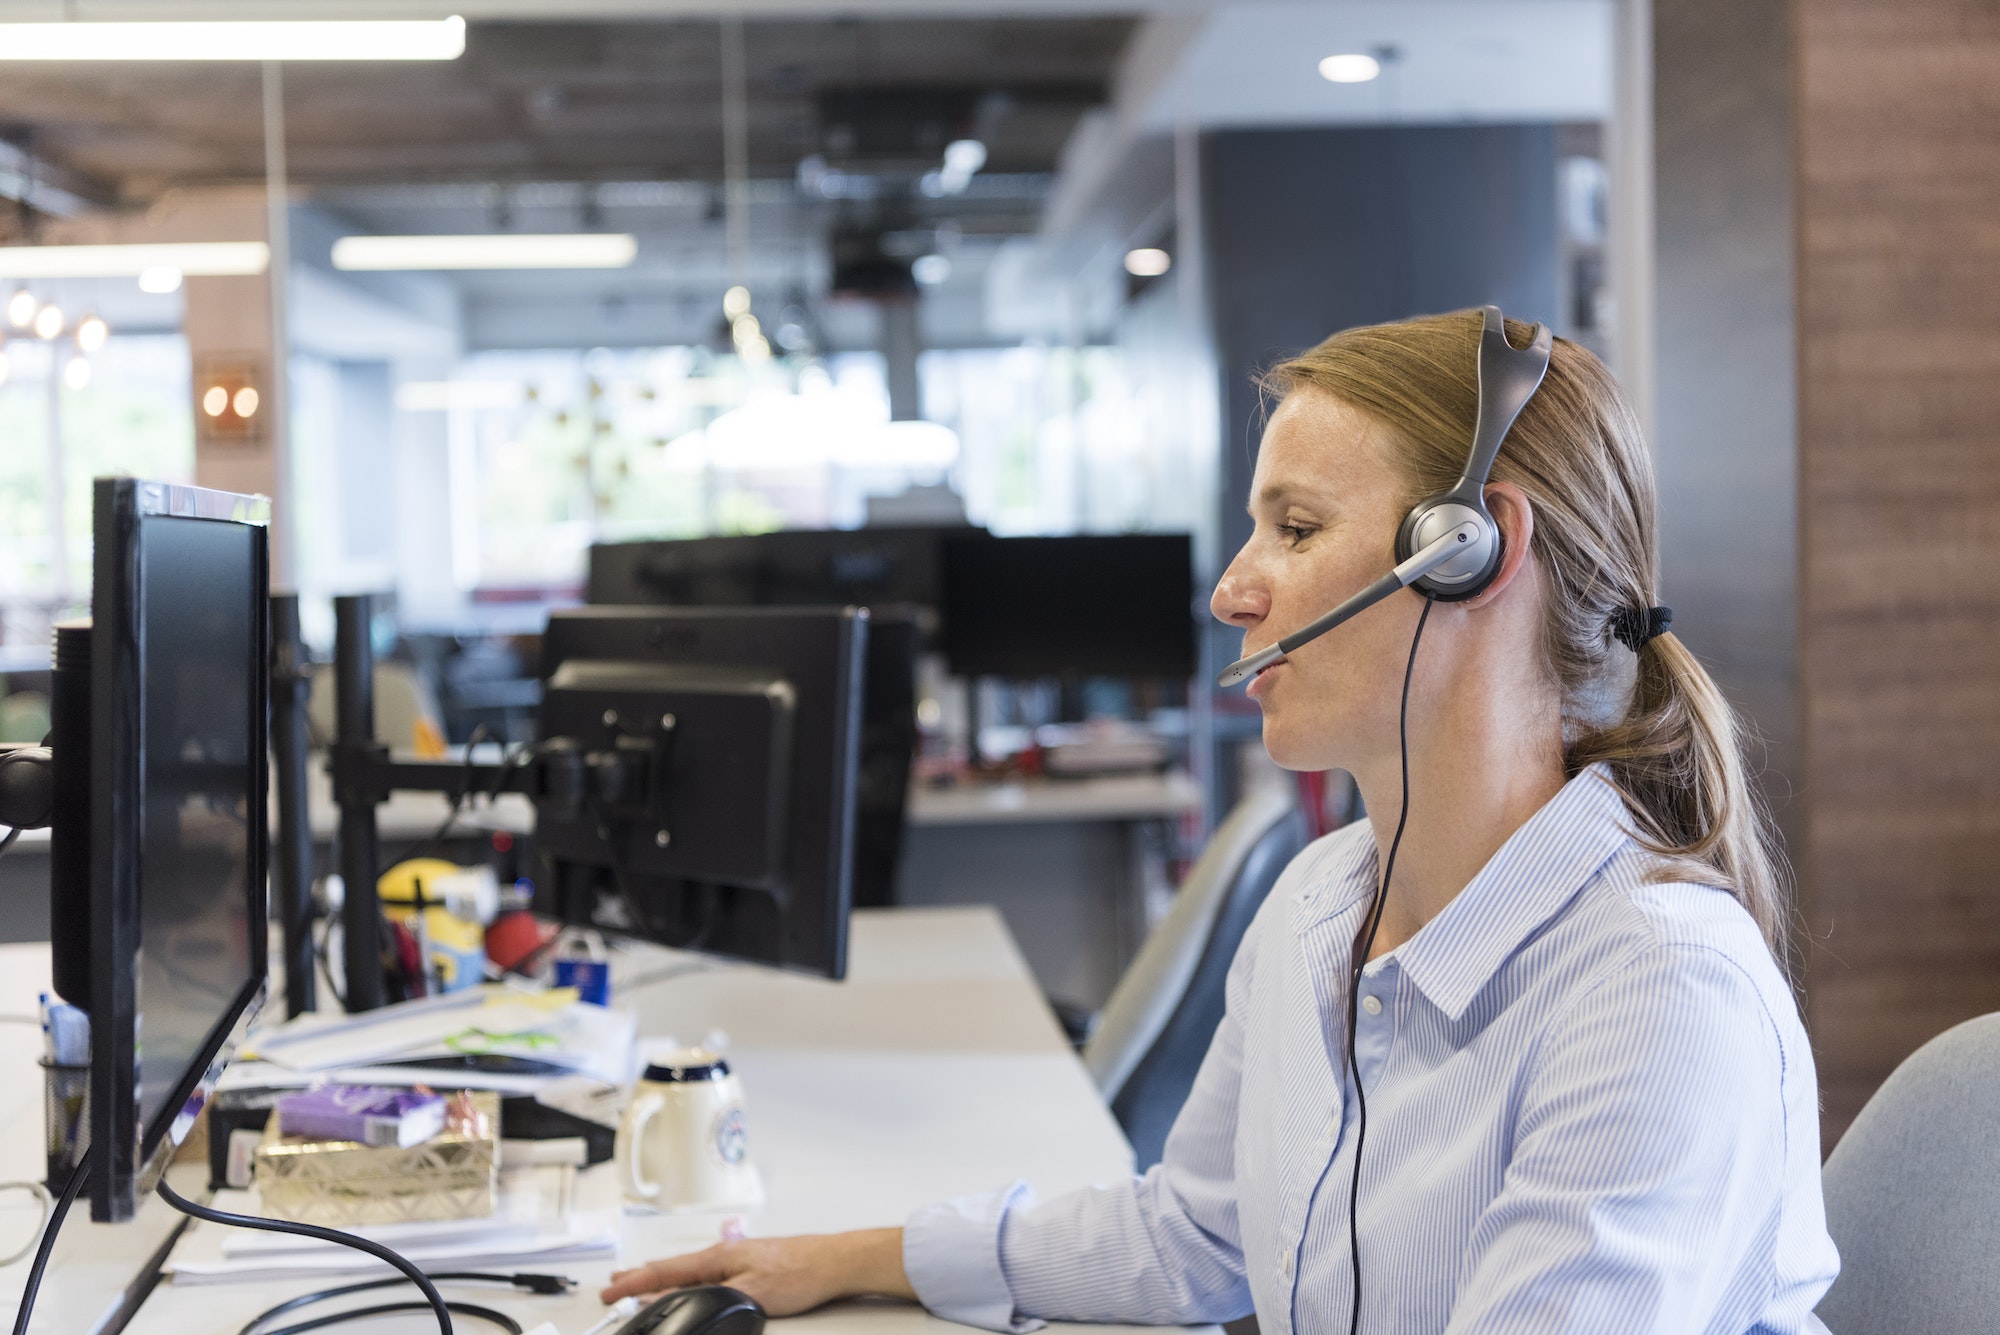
1589	1102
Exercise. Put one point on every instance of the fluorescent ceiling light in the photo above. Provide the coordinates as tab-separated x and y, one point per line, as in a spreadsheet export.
204	259
333	39
1147	262
1352	67
560	250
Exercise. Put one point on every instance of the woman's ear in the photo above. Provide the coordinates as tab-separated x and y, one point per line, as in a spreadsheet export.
1510	509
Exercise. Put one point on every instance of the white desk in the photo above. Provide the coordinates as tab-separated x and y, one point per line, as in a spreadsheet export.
1108	797
933	1071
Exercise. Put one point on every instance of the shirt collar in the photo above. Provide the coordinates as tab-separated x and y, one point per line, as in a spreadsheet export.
1535	874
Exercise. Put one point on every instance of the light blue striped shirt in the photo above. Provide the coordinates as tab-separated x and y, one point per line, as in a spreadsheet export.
1591	1108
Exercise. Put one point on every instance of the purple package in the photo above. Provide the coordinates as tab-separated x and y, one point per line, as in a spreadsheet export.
364	1113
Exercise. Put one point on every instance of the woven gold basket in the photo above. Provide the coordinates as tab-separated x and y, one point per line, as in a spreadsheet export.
339	1183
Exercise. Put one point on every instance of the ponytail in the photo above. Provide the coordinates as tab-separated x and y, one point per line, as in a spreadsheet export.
1672	744
1678	758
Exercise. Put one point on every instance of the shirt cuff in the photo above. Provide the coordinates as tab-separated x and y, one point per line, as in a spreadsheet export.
951	1252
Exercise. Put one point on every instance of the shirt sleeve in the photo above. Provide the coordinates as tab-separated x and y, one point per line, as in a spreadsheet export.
1158	1249
1646	1185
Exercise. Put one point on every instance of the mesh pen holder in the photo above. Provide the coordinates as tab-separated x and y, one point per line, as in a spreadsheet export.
66	1117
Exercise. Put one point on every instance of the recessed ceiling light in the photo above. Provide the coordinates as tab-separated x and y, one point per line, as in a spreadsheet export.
930	270
559	250
1351	67
278	39
1147	262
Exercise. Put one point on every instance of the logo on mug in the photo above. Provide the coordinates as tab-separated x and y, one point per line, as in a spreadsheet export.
731	1142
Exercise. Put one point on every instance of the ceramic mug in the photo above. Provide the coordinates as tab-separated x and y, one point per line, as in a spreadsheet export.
681	1142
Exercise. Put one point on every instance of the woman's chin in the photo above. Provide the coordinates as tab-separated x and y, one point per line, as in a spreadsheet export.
1286	750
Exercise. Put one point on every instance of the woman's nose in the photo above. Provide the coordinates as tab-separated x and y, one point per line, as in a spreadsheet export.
1239	599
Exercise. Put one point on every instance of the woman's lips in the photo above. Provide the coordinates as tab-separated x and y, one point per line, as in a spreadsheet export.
1262	681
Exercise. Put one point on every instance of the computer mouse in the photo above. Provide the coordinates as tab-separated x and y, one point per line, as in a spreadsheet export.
713	1309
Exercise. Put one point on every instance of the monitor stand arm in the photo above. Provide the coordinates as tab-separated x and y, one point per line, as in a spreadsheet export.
558	776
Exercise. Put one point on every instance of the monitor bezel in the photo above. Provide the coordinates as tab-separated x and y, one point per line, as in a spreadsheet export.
127	1157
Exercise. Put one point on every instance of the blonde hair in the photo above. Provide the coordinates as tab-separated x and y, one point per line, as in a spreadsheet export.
1673	745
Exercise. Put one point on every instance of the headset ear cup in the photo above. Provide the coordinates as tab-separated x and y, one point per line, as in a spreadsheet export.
1446	585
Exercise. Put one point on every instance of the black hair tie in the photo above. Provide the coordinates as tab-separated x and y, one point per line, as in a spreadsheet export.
1633	626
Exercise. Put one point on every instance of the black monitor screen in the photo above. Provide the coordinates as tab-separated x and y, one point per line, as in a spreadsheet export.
172	950
194	858
1069	607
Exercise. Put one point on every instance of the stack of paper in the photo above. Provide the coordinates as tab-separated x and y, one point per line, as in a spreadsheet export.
550	1034
547	1216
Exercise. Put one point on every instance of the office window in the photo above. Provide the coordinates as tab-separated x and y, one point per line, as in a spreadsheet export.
129	413
553	450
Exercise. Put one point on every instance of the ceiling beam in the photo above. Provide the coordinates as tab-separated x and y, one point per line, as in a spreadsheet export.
36	11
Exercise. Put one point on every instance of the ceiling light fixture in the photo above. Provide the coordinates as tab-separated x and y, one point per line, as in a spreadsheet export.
76	372
1147	262
91	332
48	322
930	270
277	39
559	250
21	308
201	258
1352	67
736	302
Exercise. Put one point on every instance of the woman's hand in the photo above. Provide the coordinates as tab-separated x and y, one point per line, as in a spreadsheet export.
786	1275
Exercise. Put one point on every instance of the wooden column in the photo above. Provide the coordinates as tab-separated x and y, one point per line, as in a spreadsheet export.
1898	177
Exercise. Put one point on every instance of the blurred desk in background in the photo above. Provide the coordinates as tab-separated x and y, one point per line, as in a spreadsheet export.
1079	868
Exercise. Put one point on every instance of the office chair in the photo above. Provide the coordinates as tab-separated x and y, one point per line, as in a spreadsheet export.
1913	1195
1157	1025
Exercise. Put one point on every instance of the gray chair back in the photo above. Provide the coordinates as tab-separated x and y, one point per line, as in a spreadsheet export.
1913	1195
1158	1022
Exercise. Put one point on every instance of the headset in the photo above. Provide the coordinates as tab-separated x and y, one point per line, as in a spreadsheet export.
1449	549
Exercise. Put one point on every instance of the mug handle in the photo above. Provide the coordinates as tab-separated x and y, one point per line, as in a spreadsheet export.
632	1130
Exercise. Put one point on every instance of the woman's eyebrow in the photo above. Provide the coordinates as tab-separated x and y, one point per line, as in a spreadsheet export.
1275	494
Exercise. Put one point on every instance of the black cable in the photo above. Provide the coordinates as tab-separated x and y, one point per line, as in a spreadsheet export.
1361	949
77	1176
374	1249
500	1319
532	1283
458	801
8	842
321	951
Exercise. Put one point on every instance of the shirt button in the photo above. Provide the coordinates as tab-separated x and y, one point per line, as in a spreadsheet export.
1285	1265
1372	1004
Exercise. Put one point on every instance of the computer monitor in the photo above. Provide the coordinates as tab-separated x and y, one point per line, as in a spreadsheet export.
175	930
891	571
736	835
1118	606
865	567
